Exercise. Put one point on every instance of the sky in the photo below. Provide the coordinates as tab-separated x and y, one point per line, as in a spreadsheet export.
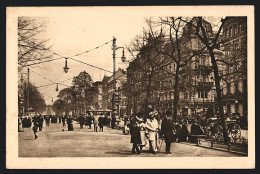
79	30
69	36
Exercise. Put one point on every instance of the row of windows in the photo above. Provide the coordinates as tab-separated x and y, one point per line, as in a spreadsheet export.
228	88
237	47
170	95
234	29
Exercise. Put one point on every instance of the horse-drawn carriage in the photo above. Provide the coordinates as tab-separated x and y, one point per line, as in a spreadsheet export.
215	130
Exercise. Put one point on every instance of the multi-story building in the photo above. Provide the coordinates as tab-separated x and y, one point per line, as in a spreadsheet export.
197	91
234	41
107	95
196	78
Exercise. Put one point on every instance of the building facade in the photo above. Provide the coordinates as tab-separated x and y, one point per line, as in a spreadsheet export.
234	42
107	92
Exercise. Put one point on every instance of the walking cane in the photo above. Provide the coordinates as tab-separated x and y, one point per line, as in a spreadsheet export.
161	144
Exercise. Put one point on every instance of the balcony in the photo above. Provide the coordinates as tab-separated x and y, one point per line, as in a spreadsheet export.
205	85
205	69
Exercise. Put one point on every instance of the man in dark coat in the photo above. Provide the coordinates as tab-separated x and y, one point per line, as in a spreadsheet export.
69	122
40	122
63	120
90	121
184	133
35	126
113	121
101	123
81	121
167	131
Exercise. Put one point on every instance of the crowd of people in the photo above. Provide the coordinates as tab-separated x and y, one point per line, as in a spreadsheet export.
156	128
151	130
98	120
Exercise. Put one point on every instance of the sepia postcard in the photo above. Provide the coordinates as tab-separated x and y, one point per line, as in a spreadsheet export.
130	87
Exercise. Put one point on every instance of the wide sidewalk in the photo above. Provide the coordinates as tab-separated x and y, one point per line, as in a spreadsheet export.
53	142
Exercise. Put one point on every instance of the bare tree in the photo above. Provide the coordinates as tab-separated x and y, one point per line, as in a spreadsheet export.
211	43
176	48
146	64
31	47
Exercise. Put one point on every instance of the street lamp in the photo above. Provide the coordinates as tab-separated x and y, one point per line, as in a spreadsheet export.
66	68
57	88
123	58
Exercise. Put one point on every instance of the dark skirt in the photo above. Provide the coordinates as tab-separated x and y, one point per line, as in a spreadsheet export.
135	136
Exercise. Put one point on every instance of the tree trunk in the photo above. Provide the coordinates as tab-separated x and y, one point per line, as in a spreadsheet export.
176	94
147	94
219	97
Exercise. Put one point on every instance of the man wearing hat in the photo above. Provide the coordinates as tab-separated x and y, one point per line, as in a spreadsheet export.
152	127
167	131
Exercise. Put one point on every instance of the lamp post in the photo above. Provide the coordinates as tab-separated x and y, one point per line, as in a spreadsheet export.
114	48
21	94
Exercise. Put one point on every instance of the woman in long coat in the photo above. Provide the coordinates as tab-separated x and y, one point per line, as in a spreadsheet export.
135	136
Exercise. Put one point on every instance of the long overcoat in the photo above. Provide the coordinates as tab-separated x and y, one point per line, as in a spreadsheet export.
167	130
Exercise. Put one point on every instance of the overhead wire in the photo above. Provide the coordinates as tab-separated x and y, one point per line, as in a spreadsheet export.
62	57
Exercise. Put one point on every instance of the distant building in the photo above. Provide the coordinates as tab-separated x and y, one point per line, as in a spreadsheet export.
48	111
107	92
98	92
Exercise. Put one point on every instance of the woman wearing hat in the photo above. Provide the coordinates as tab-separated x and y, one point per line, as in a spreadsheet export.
142	130
152	127
135	136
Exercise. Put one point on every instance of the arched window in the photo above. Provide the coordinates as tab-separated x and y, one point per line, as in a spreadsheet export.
239	27
230	32
226	33
235	29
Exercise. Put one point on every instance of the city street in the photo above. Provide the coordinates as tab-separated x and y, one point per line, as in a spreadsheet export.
53	142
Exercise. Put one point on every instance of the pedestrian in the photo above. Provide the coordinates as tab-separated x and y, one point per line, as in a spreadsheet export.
40	122
127	125
167	131
152	127
90	120
121	125
70	123
135	136
142	131
35	126
113	121
59	119
63	120
184	133
20	125
86	119
48	120
95	122
101	122
81	121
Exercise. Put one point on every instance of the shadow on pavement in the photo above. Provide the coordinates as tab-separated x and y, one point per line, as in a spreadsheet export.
120	152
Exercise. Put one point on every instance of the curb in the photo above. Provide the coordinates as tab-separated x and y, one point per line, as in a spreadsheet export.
215	148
